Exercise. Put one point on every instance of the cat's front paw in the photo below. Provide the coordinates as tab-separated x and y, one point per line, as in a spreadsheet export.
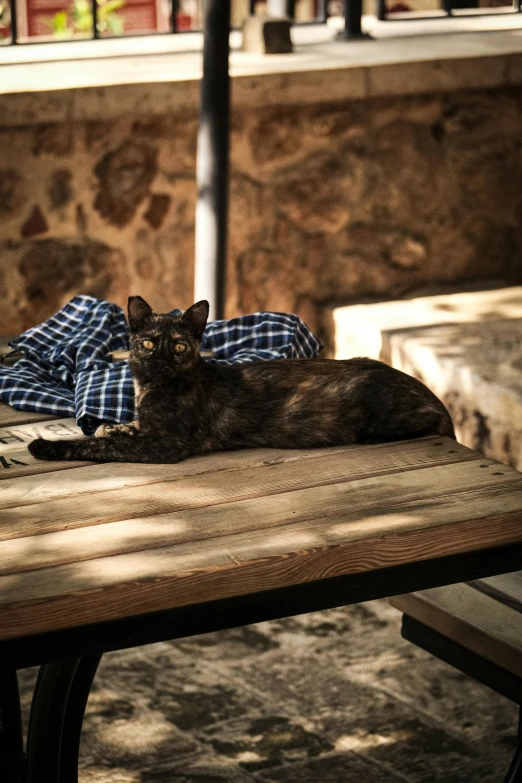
106	430
43	449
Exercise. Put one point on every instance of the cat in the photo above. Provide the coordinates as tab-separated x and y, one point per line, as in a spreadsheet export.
187	406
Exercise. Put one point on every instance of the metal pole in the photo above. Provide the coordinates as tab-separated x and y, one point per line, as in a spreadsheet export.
12	759
213	160
322	11
174	16
94	11
352	20
14	22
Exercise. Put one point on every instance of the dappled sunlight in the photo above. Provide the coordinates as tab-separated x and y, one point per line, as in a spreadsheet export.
371	524
193	556
16	438
450	323
224	533
248	757
364	742
167	547
208	534
89	542
473	343
143	734
379	664
95	774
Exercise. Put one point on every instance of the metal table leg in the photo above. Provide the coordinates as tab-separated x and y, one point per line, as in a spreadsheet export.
74	713
46	721
514	774
352	21
55	725
12	758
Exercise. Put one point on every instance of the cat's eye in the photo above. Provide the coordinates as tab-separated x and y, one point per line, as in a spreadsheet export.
180	347
148	344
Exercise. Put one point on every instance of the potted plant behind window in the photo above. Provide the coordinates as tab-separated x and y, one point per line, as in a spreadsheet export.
77	20
5	21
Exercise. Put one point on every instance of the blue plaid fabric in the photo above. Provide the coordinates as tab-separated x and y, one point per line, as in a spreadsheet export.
66	370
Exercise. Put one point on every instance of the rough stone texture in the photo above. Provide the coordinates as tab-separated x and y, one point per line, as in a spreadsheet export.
42	275
35	223
60	191
54	140
330	697
158	207
125	175
11	197
330	203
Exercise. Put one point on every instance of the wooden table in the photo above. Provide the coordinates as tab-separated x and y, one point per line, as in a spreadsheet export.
101	557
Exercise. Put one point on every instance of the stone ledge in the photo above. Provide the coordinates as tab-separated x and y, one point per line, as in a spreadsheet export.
327	72
466	347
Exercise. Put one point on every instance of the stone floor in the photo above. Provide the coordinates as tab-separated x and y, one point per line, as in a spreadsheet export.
332	696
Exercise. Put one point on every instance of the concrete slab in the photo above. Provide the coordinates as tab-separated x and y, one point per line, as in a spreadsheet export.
109	78
466	347
365	330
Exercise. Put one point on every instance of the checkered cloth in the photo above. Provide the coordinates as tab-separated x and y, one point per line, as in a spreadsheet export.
66	370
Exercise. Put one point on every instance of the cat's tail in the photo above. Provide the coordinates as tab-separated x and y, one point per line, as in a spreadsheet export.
116	449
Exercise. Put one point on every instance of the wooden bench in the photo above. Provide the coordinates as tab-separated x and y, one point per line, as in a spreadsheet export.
102	557
477	628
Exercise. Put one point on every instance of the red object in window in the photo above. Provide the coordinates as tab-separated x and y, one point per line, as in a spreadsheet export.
139	16
184	22
37	20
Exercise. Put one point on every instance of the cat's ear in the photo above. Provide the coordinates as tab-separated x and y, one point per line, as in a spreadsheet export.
139	310
196	317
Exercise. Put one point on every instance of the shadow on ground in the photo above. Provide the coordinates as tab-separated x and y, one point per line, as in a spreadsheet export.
333	696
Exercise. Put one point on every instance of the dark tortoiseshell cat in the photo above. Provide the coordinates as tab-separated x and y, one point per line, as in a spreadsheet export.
188	406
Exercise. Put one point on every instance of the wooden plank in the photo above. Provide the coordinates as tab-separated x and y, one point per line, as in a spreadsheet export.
340	513
168	577
429	450
23	464
472	619
358	462
217	488
36	488
506	588
15	459
16	438
11	417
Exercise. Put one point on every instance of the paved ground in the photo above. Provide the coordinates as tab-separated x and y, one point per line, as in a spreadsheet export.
333	696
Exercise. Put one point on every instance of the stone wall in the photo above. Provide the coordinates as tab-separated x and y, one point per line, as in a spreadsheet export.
330	204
